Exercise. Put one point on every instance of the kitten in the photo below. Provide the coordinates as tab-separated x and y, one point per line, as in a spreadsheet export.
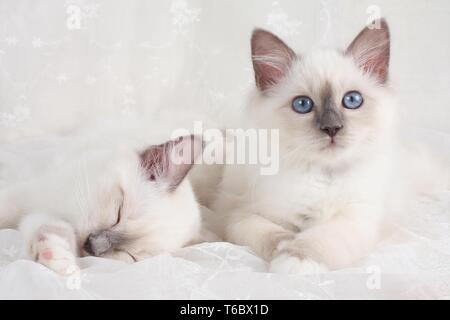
335	114
106	199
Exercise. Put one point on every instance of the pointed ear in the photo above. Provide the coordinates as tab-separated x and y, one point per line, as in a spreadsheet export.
271	58
170	162
371	50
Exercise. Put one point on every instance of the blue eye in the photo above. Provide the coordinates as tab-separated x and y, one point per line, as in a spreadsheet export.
352	100
302	104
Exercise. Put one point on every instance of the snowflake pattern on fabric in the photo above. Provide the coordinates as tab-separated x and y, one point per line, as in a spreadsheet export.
279	22
183	15
15	118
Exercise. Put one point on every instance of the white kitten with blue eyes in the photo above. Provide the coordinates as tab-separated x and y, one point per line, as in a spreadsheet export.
335	114
103	195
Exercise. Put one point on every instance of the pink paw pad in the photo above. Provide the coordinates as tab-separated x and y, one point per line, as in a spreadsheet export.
47	254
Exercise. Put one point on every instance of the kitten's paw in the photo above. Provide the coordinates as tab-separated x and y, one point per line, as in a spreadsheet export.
273	242
55	253
286	264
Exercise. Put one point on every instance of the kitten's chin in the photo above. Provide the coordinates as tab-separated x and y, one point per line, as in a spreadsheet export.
334	152
324	153
332	146
341	155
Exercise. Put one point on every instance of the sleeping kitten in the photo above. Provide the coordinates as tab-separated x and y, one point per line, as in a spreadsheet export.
104	199
334	112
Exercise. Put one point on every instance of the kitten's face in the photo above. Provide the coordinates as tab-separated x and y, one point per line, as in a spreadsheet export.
328	105
139	205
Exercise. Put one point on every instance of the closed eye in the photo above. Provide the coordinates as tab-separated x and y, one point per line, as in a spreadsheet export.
119	211
119	215
132	256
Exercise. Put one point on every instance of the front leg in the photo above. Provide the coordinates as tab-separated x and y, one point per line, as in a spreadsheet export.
252	230
334	244
51	242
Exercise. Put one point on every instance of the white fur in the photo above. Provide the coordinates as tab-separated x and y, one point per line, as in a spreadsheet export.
77	189
288	264
325	206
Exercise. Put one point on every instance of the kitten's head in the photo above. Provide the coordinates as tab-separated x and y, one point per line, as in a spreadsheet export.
139	204
329	106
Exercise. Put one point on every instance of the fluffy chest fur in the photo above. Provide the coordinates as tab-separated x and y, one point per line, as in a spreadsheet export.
298	198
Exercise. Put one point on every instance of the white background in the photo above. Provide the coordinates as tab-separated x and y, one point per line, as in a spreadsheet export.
127	57
55	73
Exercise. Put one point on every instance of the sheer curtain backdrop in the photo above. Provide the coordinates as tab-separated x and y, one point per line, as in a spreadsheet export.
65	63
